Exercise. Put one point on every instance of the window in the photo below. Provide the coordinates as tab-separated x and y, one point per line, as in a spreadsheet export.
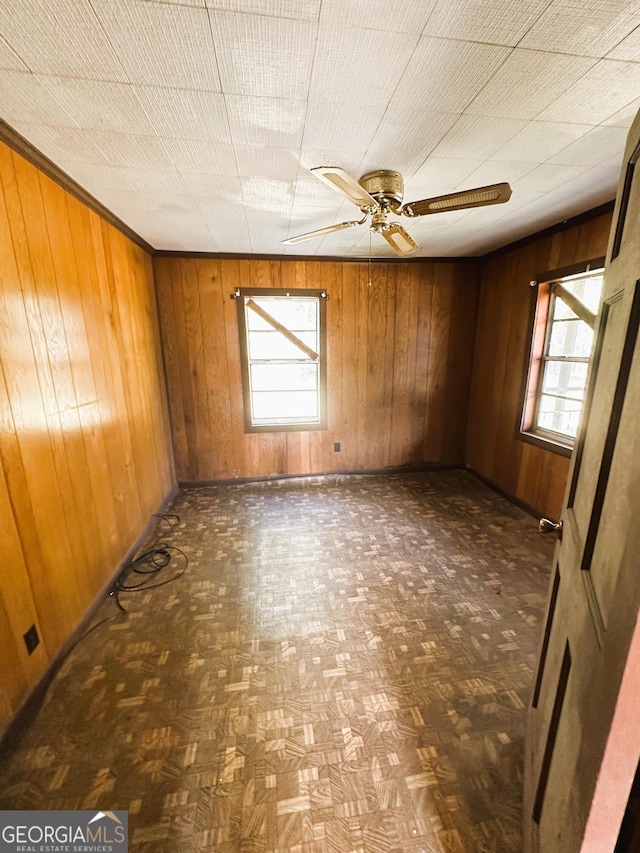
565	313
283	351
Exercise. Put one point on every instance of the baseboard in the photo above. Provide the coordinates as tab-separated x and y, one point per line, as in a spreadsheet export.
397	469
31	704
504	494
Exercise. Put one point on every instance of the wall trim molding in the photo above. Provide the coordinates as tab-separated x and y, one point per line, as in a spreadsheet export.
563	225
230	256
523	505
399	469
25	149
31	704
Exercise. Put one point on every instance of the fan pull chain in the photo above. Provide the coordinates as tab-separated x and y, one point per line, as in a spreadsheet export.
369	262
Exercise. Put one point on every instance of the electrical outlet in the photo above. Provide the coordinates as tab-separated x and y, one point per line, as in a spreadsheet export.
31	639
336	447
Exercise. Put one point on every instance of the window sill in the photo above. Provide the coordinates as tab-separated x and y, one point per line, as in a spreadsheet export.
255	428
545	443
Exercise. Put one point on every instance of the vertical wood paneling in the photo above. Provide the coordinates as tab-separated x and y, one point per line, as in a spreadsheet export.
532	474
398	364
84	432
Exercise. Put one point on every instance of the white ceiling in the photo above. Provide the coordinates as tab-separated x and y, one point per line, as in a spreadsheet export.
196	121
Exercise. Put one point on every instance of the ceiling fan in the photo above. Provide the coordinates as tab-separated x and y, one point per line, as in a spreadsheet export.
380	193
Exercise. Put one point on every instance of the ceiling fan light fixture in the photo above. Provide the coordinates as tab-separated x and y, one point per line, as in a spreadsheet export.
399	239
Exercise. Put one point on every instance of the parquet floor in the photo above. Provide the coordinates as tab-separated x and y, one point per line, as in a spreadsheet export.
343	668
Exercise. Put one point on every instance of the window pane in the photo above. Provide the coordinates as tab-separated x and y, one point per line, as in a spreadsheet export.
284	377
559	415
565	378
272	345
295	314
587	290
561	310
278	405
570	338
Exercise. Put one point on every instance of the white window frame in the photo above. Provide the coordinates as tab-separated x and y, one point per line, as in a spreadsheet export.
247	300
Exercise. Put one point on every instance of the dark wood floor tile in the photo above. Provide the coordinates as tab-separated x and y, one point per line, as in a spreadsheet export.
343	668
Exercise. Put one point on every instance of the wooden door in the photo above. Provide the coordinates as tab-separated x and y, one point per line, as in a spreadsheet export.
583	736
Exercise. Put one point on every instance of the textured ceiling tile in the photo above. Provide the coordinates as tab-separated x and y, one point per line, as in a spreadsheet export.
625	116
270	163
606	88
267	57
63	146
64	39
489	21
24	100
194	155
160	44
313	196
629	48
399	16
478	137
266	234
405	138
98	105
185	113
267	194
212	187
95	179
594	147
495	172
176	116
9	59
540	140
528	82
359	66
586	27
340	126
600	182
437	176
445	76
266	121
227	221
152	202
131	150
304	10
547	177
165	231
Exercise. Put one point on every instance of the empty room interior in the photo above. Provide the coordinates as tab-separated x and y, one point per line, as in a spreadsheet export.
319	392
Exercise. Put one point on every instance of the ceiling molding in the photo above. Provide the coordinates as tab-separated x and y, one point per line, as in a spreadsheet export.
25	149
226	256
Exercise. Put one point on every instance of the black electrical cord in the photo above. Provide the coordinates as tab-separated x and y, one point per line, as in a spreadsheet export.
149	565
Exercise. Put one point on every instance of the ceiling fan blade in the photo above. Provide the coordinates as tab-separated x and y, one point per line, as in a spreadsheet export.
399	239
478	197
339	180
320	231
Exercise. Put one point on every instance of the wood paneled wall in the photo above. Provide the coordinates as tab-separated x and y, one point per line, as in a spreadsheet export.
399	362
534	475
84	435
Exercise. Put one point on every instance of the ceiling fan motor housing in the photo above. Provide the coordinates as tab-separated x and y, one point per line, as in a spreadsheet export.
386	186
